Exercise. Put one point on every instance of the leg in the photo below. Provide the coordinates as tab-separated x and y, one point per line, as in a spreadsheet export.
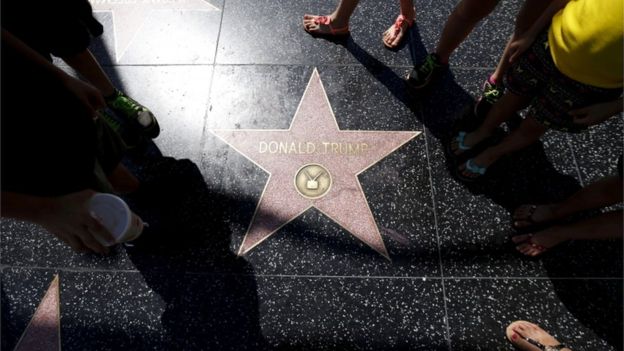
529	13
493	86
407	8
529	132
393	36
460	23
507	106
86	64
602	193
603	226
338	20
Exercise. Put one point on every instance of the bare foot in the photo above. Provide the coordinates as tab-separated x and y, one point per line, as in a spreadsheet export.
540	242
325	25
528	215
525	335
394	35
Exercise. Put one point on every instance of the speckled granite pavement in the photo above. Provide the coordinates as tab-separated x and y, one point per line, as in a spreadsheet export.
454	281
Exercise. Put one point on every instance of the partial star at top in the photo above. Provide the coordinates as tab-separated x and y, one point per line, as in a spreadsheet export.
314	164
129	15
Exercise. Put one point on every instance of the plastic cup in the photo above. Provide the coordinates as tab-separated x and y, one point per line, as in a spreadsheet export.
117	217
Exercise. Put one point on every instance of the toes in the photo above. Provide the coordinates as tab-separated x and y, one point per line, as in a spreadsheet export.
523	249
398	38
312	27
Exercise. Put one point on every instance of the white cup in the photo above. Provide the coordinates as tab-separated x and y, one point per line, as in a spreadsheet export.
117	217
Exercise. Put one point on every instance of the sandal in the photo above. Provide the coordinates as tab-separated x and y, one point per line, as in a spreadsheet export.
515	333
326	21
397	28
460	139
475	171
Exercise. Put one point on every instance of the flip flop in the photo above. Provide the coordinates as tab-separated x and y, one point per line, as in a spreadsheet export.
460	138
473	169
514	337
529	241
397	27
325	20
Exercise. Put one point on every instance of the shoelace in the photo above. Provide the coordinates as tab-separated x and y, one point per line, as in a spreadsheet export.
126	102
491	95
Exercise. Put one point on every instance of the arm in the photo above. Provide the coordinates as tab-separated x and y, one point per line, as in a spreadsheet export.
522	43
597	113
67	217
90	98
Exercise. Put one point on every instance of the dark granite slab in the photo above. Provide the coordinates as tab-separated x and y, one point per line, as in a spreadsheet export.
573	310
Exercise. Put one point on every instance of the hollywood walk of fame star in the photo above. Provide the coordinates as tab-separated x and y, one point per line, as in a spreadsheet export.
43	332
129	15
314	164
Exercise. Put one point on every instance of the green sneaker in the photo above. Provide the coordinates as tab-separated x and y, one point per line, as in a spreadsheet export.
130	136
491	94
131	110
431	69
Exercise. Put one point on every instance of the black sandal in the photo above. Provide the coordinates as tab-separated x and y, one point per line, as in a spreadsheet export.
543	347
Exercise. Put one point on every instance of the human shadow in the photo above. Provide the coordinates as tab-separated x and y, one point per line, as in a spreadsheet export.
185	257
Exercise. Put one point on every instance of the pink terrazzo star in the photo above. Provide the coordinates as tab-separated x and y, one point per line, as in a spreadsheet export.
43	332
314	164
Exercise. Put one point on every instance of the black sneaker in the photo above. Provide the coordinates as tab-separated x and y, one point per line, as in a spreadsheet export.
431	69
491	94
131	110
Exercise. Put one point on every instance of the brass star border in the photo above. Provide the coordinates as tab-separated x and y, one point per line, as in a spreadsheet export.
314	164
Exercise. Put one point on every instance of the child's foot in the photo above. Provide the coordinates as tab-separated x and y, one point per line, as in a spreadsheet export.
394	35
529	215
325	25
431	69
527	336
131	110
536	244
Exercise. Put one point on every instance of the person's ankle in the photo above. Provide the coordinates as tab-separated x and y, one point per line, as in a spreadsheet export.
493	80
336	20
442	58
479	135
410	14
